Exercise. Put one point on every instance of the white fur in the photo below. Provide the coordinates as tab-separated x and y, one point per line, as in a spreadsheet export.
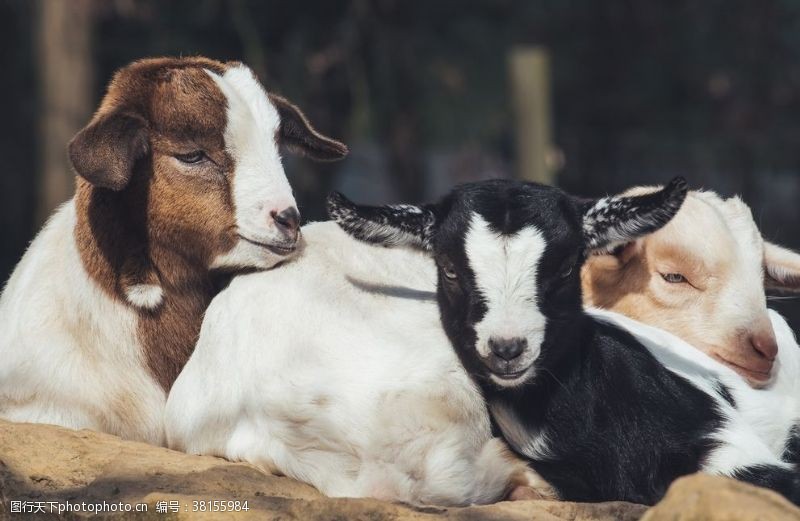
741	304
520	438
504	268
259	182
145	296
335	370
69	352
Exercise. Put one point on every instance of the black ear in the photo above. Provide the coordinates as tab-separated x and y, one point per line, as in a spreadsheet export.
297	134
391	225
615	220
105	151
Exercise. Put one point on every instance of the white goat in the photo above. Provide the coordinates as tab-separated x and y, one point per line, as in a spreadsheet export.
346	381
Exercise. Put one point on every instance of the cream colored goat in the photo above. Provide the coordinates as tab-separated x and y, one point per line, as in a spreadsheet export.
702	278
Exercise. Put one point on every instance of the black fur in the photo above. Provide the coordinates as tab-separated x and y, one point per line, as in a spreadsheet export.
784	481
791	452
620	426
726	394
617	424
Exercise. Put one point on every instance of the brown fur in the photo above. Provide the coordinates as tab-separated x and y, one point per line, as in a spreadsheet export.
142	216
297	134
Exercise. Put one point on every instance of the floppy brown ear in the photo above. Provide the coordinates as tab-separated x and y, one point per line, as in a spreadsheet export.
781	268
105	151
297	134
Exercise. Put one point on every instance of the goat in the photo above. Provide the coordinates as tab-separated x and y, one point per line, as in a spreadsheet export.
701	277
346	382
179	178
600	411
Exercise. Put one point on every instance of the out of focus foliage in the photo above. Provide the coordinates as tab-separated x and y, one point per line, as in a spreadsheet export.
642	90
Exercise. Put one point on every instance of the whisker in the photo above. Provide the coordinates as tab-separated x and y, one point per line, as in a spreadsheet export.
548	371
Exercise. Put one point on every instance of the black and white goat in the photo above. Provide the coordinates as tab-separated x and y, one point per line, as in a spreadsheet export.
600	412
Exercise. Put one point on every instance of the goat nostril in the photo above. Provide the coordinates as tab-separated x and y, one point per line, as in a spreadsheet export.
287	220
507	348
765	345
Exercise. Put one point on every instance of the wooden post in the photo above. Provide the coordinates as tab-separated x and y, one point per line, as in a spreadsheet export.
529	70
63	36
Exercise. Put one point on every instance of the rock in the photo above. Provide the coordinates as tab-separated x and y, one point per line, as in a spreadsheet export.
42	463
701	497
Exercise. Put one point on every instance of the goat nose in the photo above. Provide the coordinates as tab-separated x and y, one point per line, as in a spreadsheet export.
765	344
507	348
287	221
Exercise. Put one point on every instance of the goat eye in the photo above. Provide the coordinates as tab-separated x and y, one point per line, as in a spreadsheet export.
191	158
449	272
673	278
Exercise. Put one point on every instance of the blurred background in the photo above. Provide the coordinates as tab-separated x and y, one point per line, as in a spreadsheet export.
594	96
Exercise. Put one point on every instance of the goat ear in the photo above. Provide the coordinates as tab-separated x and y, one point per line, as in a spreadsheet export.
781	268
105	151
297	134
612	221
391	225
621	253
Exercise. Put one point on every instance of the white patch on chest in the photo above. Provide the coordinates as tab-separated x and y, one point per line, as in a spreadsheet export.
145	296
531	443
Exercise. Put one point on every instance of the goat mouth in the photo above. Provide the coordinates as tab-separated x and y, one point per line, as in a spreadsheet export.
511	375
759	377
278	249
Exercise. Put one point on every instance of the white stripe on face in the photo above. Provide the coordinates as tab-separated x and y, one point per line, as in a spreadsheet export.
505	269
259	182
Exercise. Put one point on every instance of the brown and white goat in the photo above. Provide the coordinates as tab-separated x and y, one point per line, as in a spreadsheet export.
701	277
180	178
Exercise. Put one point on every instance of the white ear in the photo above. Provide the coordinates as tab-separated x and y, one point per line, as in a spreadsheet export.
781	268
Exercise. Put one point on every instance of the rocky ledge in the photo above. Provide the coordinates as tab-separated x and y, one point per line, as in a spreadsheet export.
44	469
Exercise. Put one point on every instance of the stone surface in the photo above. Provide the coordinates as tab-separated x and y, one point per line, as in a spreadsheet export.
41	463
701	497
